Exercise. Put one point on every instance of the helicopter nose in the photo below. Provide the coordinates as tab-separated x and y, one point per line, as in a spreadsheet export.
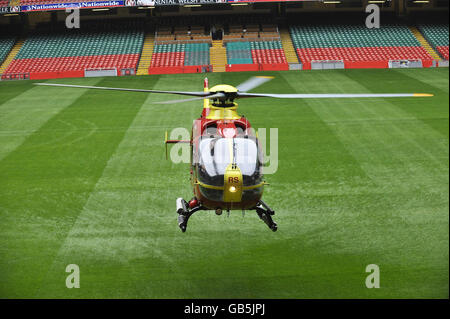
232	184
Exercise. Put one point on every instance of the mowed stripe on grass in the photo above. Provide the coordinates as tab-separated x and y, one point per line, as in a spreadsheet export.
21	115
407	162
47	179
126	219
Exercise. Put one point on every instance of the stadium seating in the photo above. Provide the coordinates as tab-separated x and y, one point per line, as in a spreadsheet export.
267	52
239	53
355	43
437	36
180	54
192	34
255	52
102	46
6	43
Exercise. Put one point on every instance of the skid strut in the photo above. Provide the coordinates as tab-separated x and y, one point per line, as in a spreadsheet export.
265	213
184	212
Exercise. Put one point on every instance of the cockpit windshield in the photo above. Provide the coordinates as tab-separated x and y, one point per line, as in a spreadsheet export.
217	153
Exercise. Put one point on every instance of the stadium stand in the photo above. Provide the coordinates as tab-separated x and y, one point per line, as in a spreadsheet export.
99	45
168	55
255	52
256	44
356	43
191	34
196	54
180	48
267	52
239	53
187	44
437	36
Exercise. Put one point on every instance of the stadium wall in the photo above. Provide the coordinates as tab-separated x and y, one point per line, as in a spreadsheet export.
177	69
56	75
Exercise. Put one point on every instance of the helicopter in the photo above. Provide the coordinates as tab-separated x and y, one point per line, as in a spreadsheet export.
226	170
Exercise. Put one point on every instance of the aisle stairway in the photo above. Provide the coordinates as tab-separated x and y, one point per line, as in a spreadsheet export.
11	55
424	43
146	55
218	56
288	46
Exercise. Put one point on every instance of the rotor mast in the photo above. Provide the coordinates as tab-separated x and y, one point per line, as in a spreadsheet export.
221	108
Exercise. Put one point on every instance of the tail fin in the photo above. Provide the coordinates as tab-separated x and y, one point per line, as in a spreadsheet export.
205	111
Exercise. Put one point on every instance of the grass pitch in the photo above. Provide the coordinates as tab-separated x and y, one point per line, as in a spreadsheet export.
84	180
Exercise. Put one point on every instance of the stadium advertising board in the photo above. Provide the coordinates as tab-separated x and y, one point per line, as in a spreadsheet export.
12	9
251	1
63	6
119	3
184	2
155	3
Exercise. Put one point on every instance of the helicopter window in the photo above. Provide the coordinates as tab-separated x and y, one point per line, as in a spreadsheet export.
248	159
211	131
214	156
245	155
240	131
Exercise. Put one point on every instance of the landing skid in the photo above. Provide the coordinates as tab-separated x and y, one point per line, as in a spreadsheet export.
264	212
184	213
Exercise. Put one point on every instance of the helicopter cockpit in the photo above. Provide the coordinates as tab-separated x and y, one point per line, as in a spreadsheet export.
217	153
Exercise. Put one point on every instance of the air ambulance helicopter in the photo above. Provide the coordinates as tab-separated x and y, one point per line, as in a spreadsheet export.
226	156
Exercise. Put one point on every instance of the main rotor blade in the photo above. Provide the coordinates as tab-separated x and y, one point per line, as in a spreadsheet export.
213	96
124	89
253	82
328	96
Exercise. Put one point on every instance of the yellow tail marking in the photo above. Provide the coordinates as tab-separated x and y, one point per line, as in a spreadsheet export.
422	95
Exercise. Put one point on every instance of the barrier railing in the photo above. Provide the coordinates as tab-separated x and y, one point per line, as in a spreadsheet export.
226	40
182	41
